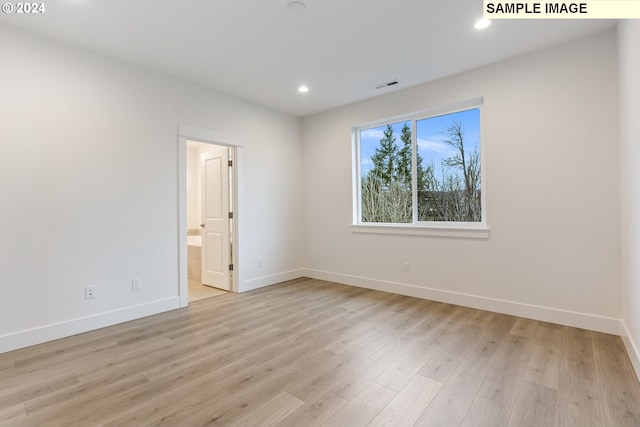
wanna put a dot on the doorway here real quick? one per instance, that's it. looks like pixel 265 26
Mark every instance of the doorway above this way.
pixel 209 215
pixel 208 189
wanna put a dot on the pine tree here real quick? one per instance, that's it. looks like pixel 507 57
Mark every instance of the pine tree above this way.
pixel 385 159
pixel 404 164
pixel 403 168
pixel 386 190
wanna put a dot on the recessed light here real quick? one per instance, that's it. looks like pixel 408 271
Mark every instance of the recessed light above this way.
pixel 482 23
pixel 296 6
pixel 303 89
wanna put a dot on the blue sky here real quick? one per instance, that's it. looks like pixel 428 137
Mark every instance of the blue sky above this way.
pixel 430 138
pixel 370 139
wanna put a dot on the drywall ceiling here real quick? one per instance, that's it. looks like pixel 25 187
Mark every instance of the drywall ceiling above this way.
pixel 261 51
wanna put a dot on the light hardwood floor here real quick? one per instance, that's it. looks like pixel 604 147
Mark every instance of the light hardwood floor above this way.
pixel 311 353
pixel 198 291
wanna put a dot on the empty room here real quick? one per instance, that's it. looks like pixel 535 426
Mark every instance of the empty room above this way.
pixel 318 213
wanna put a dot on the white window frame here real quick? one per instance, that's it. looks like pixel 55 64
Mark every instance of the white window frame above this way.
pixel 468 230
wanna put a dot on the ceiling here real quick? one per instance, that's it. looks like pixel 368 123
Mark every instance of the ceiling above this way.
pixel 261 51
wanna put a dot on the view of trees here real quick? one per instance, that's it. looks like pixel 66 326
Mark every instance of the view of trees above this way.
pixel 386 189
pixel 449 190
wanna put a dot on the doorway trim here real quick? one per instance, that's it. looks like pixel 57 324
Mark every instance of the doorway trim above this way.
pixel 208 136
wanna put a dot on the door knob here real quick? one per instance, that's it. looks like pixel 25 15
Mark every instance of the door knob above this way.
pixel 202 225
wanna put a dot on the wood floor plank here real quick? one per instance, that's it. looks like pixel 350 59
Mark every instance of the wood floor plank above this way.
pixel 407 406
pixel 620 408
pixel 271 413
pixel 306 319
pixel 23 392
pixel 306 388
pixel 578 403
pixel 447 359
pixel 503 381
pixel 619 392
pixel 412 306
pixel 346 340
pixel 484 412
pixel 370 344
pixel 448 408
pixel 314 365
pixel 171 408
pixel 612 363
pixel 200 363
pixel 401 372
pixel 315 412
pixel 75 394
pixel 186 382
pixel 310 353
pixel 535 405
pixel 360 411
pixel 18 421
pixel 357 379
pixel 525 328
pixel 81 410
pixel 12 414
pixel 577 354
pixel 133 359
pixel 493 336
pixel 544 363
pixel 482 319
pixel 470 374
pixel 42 360
pixel 249 399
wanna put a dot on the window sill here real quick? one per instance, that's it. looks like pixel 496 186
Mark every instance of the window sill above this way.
pixel 480 232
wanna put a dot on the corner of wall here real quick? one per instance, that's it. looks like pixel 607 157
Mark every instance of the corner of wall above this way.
pixel 632 349
pixel 629 91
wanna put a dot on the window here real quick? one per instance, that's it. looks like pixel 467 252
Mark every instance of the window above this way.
pixel 424 170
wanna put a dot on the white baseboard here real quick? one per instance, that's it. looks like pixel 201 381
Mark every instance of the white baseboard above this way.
pixel 261 282
pixel 632 349
pixel 68 328
pixel 609 325
pixel 546 314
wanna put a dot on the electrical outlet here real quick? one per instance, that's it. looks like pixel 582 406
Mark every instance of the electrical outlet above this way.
pixel 136 284
pixel 260 261
pixel 89 292
pixel 406 268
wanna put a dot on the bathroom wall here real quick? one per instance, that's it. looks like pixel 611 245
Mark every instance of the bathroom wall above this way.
pixel 193 189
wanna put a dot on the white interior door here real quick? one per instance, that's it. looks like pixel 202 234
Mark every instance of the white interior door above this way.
pixel 214 174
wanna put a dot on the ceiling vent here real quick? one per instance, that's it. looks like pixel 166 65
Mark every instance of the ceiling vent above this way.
pixel 387 84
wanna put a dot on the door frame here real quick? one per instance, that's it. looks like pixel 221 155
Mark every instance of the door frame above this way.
pixel 208 136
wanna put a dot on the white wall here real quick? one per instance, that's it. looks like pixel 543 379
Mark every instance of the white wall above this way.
pixel 551 149
pixel 193 189
pixel 628 48
pixel 84 202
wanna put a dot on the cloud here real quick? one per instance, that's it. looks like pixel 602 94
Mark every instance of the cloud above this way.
pixel 436 145
pixel 375 133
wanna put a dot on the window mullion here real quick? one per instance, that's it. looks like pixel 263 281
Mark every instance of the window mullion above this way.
pixel 414 171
